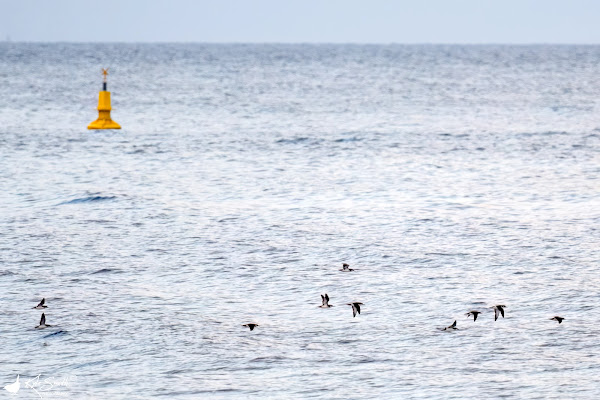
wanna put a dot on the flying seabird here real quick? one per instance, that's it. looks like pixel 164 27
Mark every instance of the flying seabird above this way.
pixel 559 319
pixel 355 308
pixel 346 268
pixel 251 326
pixel 42 324
pixel 325 300
pixel 13 387
pixel 474 314
pixel 451 327
pixel 498 310
pixel 41 305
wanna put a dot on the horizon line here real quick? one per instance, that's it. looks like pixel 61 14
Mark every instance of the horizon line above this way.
pixel 309 43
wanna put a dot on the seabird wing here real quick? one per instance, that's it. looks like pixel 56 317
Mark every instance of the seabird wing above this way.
pixel 322 300
pixel 475 316
pixel 357 307
pixel 327 297
pixel 353 310
pixel 495 313
pixel 502 311
pixel 43 319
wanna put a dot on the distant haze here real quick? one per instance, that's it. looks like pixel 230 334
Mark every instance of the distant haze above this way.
pixel 292 21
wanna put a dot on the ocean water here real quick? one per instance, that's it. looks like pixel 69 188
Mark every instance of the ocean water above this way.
pixel 451 178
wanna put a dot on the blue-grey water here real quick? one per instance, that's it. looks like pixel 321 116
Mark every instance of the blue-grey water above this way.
pixel 451 178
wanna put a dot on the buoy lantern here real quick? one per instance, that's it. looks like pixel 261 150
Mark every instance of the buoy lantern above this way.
pixel 104 121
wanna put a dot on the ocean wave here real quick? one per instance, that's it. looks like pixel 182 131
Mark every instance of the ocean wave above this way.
pixel 88 199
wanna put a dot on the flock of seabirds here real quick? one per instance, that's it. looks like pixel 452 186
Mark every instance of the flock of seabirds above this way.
pixel 498 310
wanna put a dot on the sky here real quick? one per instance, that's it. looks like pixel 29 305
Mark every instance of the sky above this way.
pixel 302 21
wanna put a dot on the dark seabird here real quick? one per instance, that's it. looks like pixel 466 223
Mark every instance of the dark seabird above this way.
pixel 474 314
pixel 498 310
pixel 42 324
pixel 325 300
pixel 41 305
pixel 559 319
pixel 346 268
pixel 451 327
pixel 355 308
pixel 251 326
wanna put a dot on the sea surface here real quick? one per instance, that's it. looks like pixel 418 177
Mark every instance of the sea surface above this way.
pixel 451 178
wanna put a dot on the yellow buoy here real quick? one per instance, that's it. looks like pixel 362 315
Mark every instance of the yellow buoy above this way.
pixel 104 121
